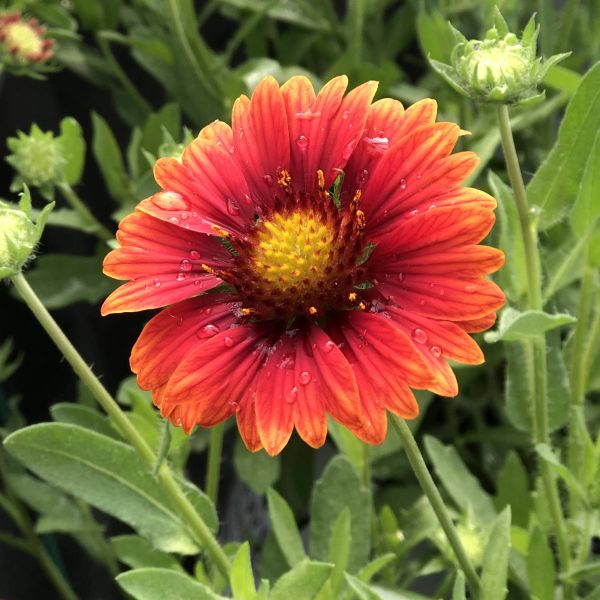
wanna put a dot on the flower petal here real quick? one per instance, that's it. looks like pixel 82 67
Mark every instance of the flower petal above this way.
pixel 385 363
pixel 176 332
pixel 478 325
pixel 260 138
pixel 246 422
pixel 213 380
pixel 205 189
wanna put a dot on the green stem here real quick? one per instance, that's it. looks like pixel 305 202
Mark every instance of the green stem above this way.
pixel 83 211
pixel 165 478
pixel 592 344
pixel 213 467
pixel 15 542
pixel 33 544
pixel 541 431
pixel 121 76
pixel 356 31
pixel 415 458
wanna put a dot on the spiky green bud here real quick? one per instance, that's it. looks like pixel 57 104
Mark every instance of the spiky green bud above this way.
pixel 501 68
pixel 19 234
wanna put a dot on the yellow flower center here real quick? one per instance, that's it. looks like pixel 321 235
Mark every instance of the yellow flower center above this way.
pixel 25 40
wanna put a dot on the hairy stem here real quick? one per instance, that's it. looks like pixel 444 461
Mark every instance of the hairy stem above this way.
pixel 415 458
pixel 198 527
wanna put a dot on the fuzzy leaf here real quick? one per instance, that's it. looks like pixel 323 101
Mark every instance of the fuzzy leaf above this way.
pixel 285 528
pixel 495 559
pixel 514 325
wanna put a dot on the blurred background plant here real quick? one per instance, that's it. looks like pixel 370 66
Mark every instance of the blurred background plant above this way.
pixel 103 88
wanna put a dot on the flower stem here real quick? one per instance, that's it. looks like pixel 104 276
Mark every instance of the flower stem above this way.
pixel 213 467
pixel 415 458
pixel 165 478
pixel 31 542
pixel 83 211
pixel 541 432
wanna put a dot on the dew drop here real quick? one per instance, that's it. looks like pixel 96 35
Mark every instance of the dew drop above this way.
pixel 348 150
pixel 247 200
pixel 401 276
pixel 181 276
pixel 196 282
pixel 305 378
pixel 156 282
pixel 292 395
pixel 470 288
pixel 345 114
pixel 178 421
pixel 363 176
pixel 377 145
pixel 419 175
pixel 170 201
pixel 436 351
pixel 174 220
pixel 328 347
pixel 302 142
pixel 228 342
pixel 235 406
pixel 308 115
pixel 233 208
pixel 267 179
pixel 185 265
pixel 403 184
pixel 207 331
pixel 411 213
pixel 419 335
pixel 240 133
pixel 184 215
pixel 231 149
pixel 194 254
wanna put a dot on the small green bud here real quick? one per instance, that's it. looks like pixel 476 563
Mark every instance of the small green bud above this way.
pixel 38 158
pixel 501 68
pixel 19 234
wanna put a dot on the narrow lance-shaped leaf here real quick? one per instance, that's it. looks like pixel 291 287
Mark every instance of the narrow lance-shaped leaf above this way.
pixel 285 528
pixel 586 209
pixel 540 566
pixel 495 559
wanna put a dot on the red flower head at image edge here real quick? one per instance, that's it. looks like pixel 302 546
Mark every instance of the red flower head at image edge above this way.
pixel 288 299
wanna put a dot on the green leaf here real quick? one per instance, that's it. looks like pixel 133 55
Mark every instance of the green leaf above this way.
pixel 84 416
pixel 361 590
pixel 562 79
pixel 512 489
pixel 540 566
pixel 340 486
pixel 137 552
pixel 110 476
pixel 495 559
pixel 458 589
pixel 242 579
pixel 555 185
pixel 462 486
pixel 435 36
pixel 62 279
pixel 547 454
pixel 339 548
pixel 285 528
pixel 303 581
pixel 513 276
pixel 158 584
pixel 586 209
pixel 371 569
pixel 110 160
pixel 514 325
pixel 73 150
pixel 257 470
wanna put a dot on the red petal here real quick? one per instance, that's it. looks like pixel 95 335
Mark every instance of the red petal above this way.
pixel 477 325
pixel 324 130
pixel 385 363
pixel 176 332
pixel 261 139
pixel 246 422
pixel 206 188
pixel 218 132
pixel 213 380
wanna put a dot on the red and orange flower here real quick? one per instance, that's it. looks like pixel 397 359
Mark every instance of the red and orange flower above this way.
pixel 317 257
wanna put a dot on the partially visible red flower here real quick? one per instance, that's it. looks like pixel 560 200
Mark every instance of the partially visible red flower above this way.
pixel 288 301
pixel 24 40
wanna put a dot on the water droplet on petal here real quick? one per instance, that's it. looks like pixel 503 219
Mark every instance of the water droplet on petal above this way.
pixel 181 276
pixel 403 184
pixel 363 176
pixel 231 149
pixel 436 351
pixel 348 150
pixel 235 406
pixel 247 200
pixel 401 276
pixel 345 114
pixel 240 133
pixel 194 254
pixel 377 145
pixel 228 342
pixel 268 179
pixel 170 201
pixel 302 142
pixel 196 282
pixel 207 331
pixel 470 289
pixel 292 395
pixel 185 265
pixel 174 220
pixel 304 378
pixel 328 347
pixel 156 282
pixel 419 335
pixel 233 208
pixel 411 213
pixel 308 115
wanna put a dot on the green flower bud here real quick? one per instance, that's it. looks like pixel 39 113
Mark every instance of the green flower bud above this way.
pixel 18 234
pixel 37 157
pixel 501 68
